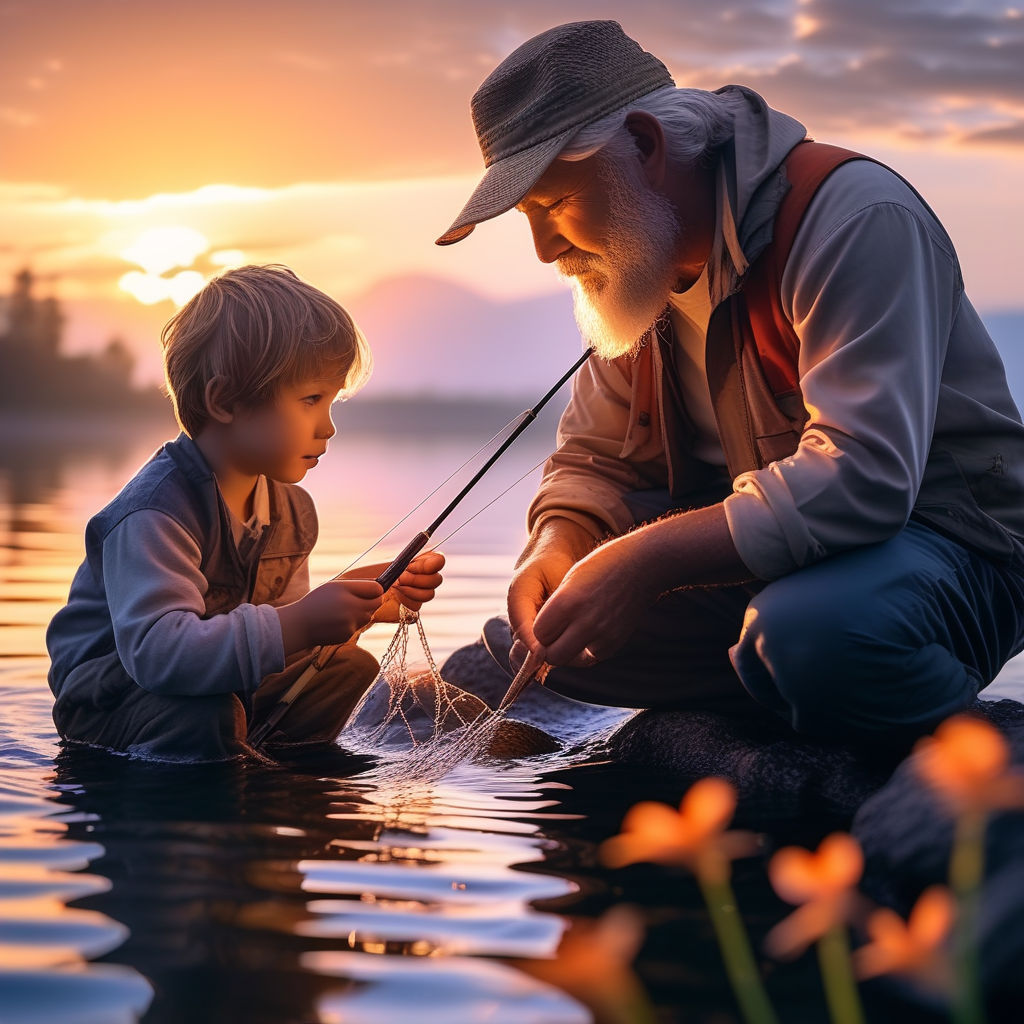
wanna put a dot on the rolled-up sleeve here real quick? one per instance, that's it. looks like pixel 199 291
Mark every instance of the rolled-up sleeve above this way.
pixel 872 295
pixel 155 592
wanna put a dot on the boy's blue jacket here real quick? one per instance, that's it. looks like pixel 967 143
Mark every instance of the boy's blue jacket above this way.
pixel 165 601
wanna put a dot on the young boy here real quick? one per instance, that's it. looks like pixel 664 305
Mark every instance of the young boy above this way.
pixel 192 613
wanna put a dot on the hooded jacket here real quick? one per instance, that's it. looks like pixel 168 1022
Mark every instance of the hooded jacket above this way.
pixel 903 407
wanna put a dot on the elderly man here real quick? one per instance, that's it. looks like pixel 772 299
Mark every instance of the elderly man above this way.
pixel 793 475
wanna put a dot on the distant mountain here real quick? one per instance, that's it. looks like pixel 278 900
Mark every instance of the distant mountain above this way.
pixel 432 337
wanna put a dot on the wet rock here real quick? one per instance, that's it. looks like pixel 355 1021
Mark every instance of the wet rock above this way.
pixel 785 774
pixel 421 710
pixel 424 710
pixel 519 739
pixel 473 669
pixel 907 836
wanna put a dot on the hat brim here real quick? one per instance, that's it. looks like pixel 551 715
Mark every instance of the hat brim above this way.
pixel 504 184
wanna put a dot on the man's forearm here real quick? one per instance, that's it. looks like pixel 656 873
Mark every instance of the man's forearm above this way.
pixel 557 535
pixel 691 549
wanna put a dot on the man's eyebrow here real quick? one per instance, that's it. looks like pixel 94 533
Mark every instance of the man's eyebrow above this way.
pixel 538 201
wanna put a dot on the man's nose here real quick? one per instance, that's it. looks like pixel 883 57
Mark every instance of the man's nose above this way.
pixel 547 240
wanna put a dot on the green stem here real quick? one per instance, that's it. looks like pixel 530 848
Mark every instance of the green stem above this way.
pixel 736 952
pixel 837 976
pixel 966 873
pixel 636 1007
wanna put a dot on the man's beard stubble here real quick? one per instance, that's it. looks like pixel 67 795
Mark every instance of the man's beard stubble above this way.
pixel 619 295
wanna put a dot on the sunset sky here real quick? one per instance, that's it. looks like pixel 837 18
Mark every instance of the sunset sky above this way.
pixel 143 144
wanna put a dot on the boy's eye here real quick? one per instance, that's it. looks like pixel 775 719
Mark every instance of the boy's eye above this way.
pixel 312 399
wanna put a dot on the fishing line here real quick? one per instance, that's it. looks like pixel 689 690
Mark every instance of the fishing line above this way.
pixel 512 423
pixel 494 500
pixel 391 574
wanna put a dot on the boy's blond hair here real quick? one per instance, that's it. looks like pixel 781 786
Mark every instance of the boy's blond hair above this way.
pixel 258 328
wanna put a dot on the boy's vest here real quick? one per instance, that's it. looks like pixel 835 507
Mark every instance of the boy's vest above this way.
pixel 178 482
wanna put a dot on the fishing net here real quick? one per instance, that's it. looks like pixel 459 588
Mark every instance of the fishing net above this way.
pixel 427 723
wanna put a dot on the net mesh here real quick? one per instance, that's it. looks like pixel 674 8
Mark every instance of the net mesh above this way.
pixel 419 719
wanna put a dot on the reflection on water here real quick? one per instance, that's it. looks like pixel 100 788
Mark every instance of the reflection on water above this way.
pixel 257 893
pixel 306 892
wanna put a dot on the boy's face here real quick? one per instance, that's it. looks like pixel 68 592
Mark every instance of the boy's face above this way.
pixel 285 438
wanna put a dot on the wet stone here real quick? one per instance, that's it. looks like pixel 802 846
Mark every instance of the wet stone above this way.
pixel 424 710
pixel 786 775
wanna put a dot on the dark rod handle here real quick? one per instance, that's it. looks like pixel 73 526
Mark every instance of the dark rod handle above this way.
pixel 387 578
pixel 263 730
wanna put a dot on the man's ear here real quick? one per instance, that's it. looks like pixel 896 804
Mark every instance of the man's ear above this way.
pixel 217 408
pixel 650 144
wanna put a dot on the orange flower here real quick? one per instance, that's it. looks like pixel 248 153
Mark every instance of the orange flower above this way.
pixel 594 966
pixel 967 763
pixel 694 836
pixel 824 882
pixel 913 948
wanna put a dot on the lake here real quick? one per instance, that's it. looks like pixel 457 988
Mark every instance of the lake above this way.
pixel 304 893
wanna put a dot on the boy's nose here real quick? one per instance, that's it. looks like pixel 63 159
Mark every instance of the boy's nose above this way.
pixel 327 428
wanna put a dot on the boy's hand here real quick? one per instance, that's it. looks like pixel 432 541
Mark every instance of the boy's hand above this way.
pixel 331 614
pixel 413 588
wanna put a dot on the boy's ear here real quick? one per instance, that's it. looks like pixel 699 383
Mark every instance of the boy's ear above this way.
pixel 216 407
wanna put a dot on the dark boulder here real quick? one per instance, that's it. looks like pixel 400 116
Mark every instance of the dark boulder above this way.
pixel 906 835
pixel 784 774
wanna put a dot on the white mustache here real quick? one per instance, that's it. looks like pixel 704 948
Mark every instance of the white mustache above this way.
pixel 575 265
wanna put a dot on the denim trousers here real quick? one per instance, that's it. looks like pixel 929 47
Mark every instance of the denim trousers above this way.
pixel 877 644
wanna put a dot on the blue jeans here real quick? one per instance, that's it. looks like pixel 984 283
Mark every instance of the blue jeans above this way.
pixel 882 641
pixel 878 644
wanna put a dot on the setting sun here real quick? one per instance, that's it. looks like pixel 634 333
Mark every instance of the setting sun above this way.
pixel 161 249
pixel 157 251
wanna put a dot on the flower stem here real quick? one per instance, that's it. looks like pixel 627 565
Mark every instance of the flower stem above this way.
pixel 966 871
pixel 736 952
pixel 837 976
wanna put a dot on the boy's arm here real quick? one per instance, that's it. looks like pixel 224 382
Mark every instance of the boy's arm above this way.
pixel 156 595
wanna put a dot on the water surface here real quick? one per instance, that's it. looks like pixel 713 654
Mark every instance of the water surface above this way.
pixel 307 892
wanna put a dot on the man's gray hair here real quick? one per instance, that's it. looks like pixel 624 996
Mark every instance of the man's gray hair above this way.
pixel 695 123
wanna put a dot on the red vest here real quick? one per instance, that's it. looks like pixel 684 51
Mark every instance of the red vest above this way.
pixel 752 349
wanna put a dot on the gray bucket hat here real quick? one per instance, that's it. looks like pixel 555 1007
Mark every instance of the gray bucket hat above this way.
pixel 538 97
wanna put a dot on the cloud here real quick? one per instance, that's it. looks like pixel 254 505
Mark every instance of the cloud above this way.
pixel 341 236
pixel 936 70
pixel 304 61
pixel 17 118
pixel 1011 134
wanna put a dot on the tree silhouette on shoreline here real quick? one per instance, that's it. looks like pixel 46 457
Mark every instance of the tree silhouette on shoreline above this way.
pixel 37 375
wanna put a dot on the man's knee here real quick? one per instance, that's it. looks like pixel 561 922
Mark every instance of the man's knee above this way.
pixel 832 669
pixel 785 654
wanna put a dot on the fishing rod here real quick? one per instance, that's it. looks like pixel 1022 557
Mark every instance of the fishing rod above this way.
pixel 390 575
pixel 387 578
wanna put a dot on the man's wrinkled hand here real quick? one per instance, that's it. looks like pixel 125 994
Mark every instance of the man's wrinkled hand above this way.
pixel 597 607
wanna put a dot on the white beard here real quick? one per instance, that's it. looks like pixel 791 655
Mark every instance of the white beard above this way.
pixel 618 296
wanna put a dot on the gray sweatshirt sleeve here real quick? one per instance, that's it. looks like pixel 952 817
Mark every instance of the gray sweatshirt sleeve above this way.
pixel 155 593
pixel 873 286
